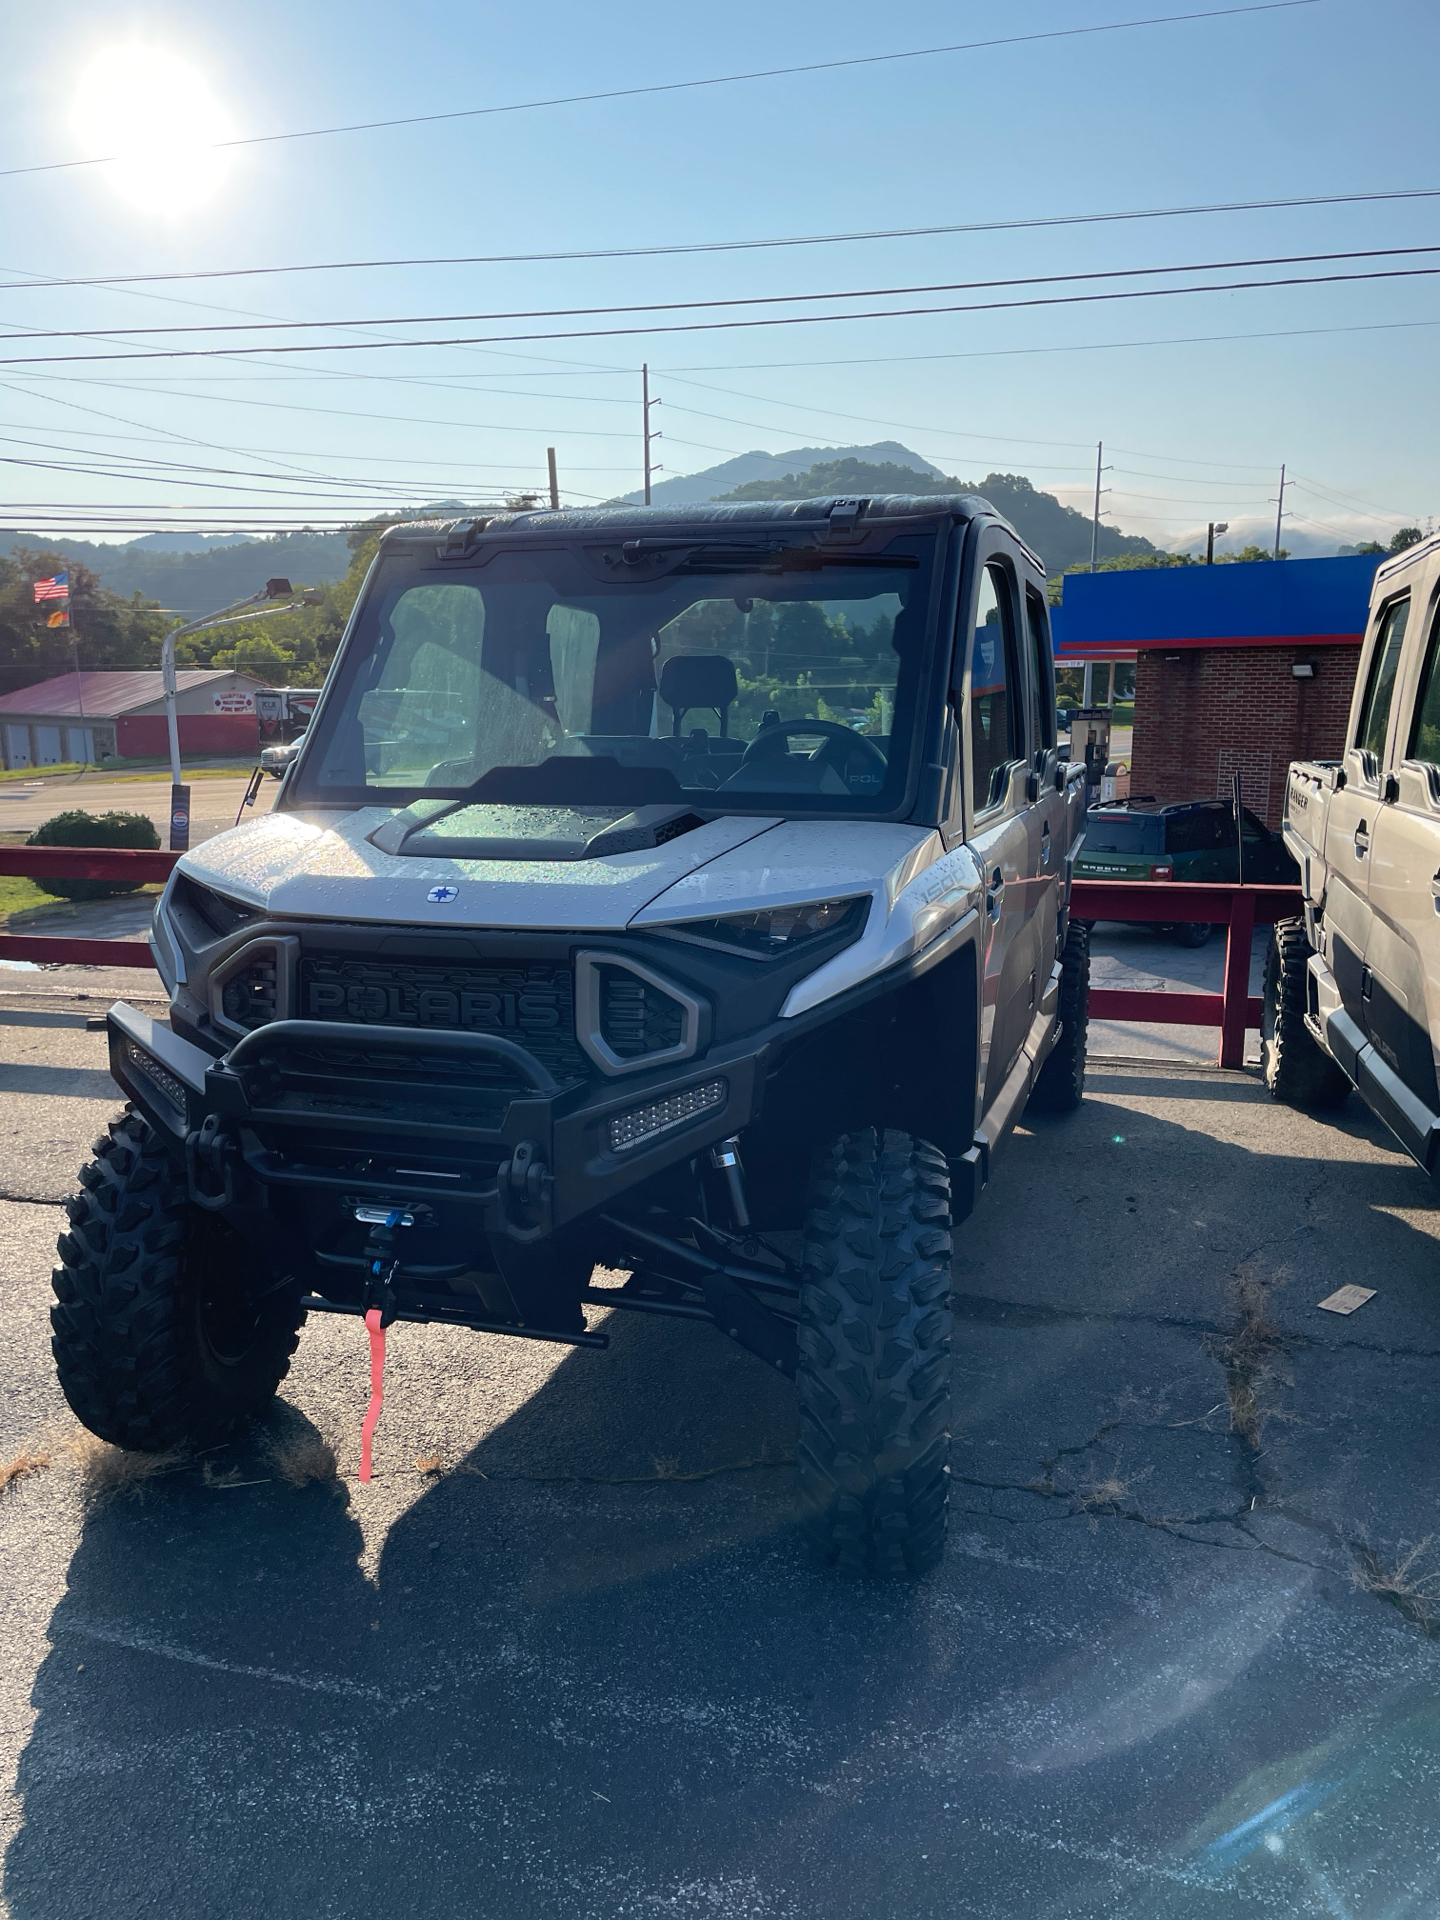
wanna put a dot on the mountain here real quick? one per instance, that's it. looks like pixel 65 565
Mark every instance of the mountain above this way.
pixel 691 489
pixel 192 582
pixel 184 542
pixel 1059 534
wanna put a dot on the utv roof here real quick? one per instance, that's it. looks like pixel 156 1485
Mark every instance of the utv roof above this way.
pixel 830 512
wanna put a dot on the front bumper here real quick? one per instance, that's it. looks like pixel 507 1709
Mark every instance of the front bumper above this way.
pixel 471 1123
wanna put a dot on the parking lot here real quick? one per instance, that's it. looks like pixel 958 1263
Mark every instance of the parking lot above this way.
pixel 565 1653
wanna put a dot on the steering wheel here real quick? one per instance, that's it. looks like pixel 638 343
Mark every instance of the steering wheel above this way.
pixel 761 747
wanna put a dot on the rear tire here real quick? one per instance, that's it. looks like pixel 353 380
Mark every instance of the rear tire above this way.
pixel 874 1355
pixel 1296 1067
pixel 1060 1086
pixel 1193 933
pixel 157 1340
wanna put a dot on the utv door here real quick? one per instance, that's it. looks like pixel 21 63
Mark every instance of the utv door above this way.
pixel 1355 808
pixel 994 732
pixel 1402 958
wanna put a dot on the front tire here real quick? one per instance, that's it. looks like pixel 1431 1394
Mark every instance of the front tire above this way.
pixel 1297 1069
pixel 874 1355
pixel 1060 1085
pixel 157 1340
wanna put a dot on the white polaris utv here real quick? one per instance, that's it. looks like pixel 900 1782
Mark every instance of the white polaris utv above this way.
pixel 681 891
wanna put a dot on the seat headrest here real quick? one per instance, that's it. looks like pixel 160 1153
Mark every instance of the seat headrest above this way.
pixel 698 680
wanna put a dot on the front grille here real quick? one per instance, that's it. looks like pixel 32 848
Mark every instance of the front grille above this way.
pixel 532 1003
pixel 637 1018
pixel 216 913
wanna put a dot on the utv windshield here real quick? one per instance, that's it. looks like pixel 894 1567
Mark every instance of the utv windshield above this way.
pixel 745 678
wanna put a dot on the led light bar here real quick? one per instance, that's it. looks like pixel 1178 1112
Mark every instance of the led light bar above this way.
pixel 170 1084
pixel 640 1124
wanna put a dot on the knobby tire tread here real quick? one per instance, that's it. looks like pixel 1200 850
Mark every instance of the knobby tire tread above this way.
pixel 875 1363
pixel 1060 1084
pixel 1297 1069
pixel 125 1324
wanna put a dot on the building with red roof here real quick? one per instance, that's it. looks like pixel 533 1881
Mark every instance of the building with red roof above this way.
pixel 89 717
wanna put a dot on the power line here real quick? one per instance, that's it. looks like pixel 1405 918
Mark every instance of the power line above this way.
pixel 687 86
pixel 725 326
pixel 920 359
pixel 730 246
pixel 31 334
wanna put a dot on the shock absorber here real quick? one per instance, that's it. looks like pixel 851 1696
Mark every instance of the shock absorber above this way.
pixel 725 1158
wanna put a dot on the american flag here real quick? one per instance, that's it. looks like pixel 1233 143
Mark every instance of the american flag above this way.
pixel 57 588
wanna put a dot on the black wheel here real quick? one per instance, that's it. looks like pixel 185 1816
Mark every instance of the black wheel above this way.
pixel 874 1370
pixel 1297 1069
pixel 157 1337
pixel 1061 1083
pixel 1193 933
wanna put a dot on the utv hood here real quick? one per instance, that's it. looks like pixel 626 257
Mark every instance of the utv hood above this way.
pixel 327 866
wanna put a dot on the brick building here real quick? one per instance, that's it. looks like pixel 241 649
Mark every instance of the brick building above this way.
pixel 1243 667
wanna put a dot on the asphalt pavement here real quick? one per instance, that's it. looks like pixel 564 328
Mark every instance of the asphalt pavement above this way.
pixel 214 800
pixel 565 1657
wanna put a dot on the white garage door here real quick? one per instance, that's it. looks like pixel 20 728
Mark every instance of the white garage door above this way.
pixel 47 746
pixel 17 746
pixel 79 745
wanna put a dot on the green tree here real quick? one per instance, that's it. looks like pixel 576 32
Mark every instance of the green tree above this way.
pixel 1059 533
pixel 1405 537
pixel 260 655
pixel 110 633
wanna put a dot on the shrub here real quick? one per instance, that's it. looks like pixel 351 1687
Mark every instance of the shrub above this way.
pixel 81 829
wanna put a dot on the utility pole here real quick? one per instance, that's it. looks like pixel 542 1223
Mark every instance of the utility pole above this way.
pixel 79 687
pixel 1279 510
pixel 554 479
pixel 1095 522
pixel 1216 526
pixel 646 404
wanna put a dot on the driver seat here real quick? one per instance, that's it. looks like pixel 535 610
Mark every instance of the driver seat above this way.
pixel 699 680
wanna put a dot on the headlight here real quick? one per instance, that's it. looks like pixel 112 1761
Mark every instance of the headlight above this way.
pixel 769 933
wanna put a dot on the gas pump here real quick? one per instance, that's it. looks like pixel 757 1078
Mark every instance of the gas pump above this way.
pixel 1090 742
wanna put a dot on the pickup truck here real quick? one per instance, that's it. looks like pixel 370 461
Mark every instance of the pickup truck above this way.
pixel 1352 990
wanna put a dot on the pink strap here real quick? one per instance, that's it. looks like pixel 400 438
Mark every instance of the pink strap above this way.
pixel 377 1390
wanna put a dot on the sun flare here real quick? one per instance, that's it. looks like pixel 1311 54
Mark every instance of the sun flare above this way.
pixel 157 114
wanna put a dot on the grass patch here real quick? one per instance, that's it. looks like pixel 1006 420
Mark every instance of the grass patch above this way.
pixel 1404 1585
pixel 21 898
pixel 127 770
pixel 21 1465
pixel 18 895
pixel 301 1459
pixel 1248 1355
pixel 71 767
pixel 106 1470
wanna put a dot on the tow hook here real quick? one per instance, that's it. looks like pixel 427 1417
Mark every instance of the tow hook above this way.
pixel 210 1153
pixel 525 1182
pixel 382 1258
pixel 381 1265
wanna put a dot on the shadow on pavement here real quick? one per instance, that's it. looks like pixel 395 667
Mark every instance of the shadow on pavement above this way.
pixel 583 1684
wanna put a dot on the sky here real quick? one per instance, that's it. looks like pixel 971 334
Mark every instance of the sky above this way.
pixel 1197 397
